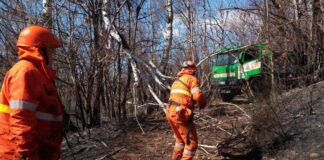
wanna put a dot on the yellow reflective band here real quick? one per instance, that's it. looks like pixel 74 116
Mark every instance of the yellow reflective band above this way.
pixel 4 108
pixel 181 91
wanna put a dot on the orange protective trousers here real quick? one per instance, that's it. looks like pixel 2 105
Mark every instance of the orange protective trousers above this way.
pixel 179 124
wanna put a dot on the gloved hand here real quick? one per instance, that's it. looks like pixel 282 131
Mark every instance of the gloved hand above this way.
pixel 180 109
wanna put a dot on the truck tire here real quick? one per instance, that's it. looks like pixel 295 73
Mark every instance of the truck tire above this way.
pixel 227 97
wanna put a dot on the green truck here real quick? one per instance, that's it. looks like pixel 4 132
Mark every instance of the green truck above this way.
pixel 240 67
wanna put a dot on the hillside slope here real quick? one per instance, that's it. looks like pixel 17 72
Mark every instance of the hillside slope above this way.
pixel 304 123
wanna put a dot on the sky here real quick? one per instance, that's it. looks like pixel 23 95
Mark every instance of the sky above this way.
pixel 233 16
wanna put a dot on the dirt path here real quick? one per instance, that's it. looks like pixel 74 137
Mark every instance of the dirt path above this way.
pixel 215 124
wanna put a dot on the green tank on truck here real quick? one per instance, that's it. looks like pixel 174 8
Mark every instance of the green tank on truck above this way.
pixel 236 66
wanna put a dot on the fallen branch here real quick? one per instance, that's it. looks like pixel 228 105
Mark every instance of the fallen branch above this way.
pixel 154 127
pixel 152 104
pixel 202 148
pixel 117 35
pixel 207 146
pixel 104 144
pixel 100 141
pixel 231 104
pixel 110 154
pixel 222 129
pixel 159 73
pixel 213 125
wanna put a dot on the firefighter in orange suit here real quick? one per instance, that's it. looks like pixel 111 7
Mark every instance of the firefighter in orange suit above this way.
pixel 31 113
pixel 185 95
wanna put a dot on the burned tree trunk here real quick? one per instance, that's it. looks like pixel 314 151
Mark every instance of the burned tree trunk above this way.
pixel 317 36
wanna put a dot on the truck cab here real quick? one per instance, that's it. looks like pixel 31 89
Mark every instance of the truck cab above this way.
pixel 235 66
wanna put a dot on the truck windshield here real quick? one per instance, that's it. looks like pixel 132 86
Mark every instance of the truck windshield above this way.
pixel 227 58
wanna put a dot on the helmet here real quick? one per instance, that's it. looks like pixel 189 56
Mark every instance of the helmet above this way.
pixel 37 36
pixel 189 63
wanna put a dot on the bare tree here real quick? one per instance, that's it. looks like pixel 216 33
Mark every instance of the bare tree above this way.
pixel 169 32
pixel 47 13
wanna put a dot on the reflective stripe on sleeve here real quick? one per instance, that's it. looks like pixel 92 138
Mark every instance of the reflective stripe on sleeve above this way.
pixel 181 91
pixel 194 90
pixel 178 145
pixel 49 117
pixel 19 104
pixel 4 108
pixel 189 152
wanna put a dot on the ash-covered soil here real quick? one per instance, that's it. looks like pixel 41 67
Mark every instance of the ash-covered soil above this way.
pixel 303 122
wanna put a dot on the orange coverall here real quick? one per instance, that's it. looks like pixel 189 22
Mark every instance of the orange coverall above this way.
pixel 31 114
pixel 185 93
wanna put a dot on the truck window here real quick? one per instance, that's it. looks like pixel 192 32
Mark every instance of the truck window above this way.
pixel 250 55
pixel 221 59
pixel 227 58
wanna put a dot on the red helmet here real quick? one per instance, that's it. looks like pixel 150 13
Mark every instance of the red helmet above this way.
pixel 189 63
pixel 37 36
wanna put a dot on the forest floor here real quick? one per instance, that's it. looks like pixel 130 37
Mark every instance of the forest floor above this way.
pixel 216 125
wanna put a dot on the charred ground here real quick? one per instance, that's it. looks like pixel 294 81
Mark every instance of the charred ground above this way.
pixel 291 128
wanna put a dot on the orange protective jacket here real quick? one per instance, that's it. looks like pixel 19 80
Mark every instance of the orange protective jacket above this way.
pixel 185 90
pixel 31 113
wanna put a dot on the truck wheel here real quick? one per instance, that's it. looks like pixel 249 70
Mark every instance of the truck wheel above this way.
pixel 227 97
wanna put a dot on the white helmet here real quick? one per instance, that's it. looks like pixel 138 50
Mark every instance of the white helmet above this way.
pixel 188 63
